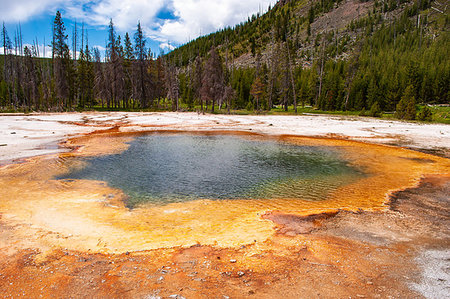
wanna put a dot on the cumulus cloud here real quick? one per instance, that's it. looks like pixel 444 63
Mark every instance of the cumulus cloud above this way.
pixel 100 48
pixel 40 50
pixel 125 13
pixel 175 21
pixel 199 17
pixel 164 46
pixel 22 10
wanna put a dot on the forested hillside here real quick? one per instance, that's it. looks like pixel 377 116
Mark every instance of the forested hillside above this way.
pixel 368 56
pixel 334 55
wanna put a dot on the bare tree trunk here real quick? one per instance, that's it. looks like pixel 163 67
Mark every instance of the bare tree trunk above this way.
pixel 292 77
pixel 74 41
pixel 321 72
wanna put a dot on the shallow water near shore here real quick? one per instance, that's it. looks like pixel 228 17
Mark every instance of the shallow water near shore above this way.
pixel 162 169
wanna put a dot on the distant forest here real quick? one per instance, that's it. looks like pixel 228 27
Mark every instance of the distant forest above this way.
pixel 389 59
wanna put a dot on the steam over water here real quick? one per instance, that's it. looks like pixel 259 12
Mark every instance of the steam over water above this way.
pixel 161 169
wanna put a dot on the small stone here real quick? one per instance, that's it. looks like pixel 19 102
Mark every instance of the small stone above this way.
pixel 233 261
pixel 240 273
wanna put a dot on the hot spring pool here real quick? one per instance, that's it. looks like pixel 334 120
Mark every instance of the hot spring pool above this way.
pixel 117 192
pixel 167 168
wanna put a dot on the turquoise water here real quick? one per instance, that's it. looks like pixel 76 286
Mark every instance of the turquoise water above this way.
pixel 160 169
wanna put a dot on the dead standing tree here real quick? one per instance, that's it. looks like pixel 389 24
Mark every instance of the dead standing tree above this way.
pixel 115 69
pixel 172 85
pixel 212 79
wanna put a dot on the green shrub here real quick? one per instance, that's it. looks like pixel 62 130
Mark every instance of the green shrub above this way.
pixel 425 114
pixel 249 106
pixel 406 108
pixel 375 110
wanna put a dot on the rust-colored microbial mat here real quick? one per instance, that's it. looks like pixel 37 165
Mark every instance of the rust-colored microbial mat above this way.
pixel 90 216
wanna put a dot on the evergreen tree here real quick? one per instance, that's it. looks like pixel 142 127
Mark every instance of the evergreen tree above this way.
pixel 128 50
pixel 62 63
pixel 86 78
pixel 257 91
pixel 406 108
pixel 115 72
pixel 142 78
pixel 425 114
pixel 128 63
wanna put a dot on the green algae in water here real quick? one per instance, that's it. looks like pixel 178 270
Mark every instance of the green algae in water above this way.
pixel 161 169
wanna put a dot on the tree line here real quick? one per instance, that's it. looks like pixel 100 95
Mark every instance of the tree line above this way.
pixel 130 76
pixel 370 67
pixel 375 65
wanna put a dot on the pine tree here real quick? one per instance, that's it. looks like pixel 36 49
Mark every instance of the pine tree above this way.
pixel 62 68
pixel 115 68
pixel 128 50
pixel 425 114
pixel 406 108
pixel 99 75
pixel 86 78
pixel 257 91
pixel 7 67
pixel 142 78
pixel 128 63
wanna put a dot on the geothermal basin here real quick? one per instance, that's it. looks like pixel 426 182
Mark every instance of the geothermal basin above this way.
pixel 248 204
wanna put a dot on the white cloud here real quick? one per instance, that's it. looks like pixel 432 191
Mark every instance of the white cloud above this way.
pixel 22 10
pixel 47 50
pixel 124 13
pixel 164 46
pixel 100 48
pixel 199 17
pixel 192 17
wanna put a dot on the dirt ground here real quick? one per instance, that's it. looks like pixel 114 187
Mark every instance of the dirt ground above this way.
pixel 343 255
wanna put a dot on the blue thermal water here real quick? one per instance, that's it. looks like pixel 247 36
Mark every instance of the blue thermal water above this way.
pixel 160 169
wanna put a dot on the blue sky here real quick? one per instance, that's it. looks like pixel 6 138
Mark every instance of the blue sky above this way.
pixel 166 23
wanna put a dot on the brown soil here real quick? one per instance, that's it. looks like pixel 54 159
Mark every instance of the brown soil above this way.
pixel 340 255
pixel 340 17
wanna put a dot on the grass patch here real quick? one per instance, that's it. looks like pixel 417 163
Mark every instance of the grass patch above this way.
pixel 441 114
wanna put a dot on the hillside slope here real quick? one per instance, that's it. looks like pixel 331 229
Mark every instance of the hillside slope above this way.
pixel 336 55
